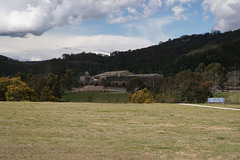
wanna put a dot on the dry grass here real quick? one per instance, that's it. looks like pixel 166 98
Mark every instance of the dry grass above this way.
pixel 117 131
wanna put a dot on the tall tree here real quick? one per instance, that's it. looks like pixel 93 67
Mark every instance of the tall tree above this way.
pixel 216 73
pixel 135 84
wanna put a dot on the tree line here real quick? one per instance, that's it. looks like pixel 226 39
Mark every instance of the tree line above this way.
pixel 25 87
pixel 186 86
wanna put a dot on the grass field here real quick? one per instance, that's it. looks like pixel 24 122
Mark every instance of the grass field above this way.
pixel 97 97
pixel 107 131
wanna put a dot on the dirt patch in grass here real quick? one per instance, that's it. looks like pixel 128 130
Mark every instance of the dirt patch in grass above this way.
pixel 167 125
pixel 216 128
pixel 161 132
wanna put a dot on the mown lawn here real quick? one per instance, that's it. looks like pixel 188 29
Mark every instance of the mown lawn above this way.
pixel 100 131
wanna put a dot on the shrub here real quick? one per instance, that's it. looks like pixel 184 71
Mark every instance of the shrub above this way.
pixel 142 96
pixel 19 91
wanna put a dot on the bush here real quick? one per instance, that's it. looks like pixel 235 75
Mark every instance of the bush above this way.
pixel 142 96
pixel 19 91
pixel 47 96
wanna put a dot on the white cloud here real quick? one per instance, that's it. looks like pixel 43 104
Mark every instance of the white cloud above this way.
pixel 177 7
pixel 146 9
pixel 186 1
pixel 226 13
pixel 178 10
pixel 52 46
pixel 169 2
pixel 173 2
pixel 18 18
pixel 36 59
pixel 151 28
pixel 151 7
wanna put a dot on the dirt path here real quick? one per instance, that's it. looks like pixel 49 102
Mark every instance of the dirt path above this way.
pixel 233 109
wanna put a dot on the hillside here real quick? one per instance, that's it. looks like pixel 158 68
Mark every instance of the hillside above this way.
pixel 185 52
pixel 172 56
pixel 9 66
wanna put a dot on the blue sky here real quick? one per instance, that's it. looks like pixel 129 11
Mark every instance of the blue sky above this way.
pixel 44 29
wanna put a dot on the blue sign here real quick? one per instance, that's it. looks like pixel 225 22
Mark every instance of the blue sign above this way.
pixel 216 100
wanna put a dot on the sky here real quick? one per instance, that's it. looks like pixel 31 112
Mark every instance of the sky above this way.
pixel 33 30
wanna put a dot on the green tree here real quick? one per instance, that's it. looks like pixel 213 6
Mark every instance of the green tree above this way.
pixel 21 75
pixel 37 84
pixel 135 84
pixel 183 78
pixel 47 96
pixel 190 92
pixel 200 69
pixel 165 86
pixel 216 73
pixel 53 83
pixel 67 81
pixel 205 89
pixel 191 88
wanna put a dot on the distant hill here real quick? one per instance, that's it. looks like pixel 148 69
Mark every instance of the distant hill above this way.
pixel 172 56
pixel 9 66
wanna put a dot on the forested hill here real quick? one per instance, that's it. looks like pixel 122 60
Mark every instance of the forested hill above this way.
pixel 172 56
pixel 9 66
pixel 185 52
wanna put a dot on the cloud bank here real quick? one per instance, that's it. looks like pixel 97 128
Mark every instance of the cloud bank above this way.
pixel 18 18
pixel 31 48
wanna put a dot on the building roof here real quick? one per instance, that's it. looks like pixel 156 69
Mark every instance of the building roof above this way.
pixel 148 75
pixel 115 73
